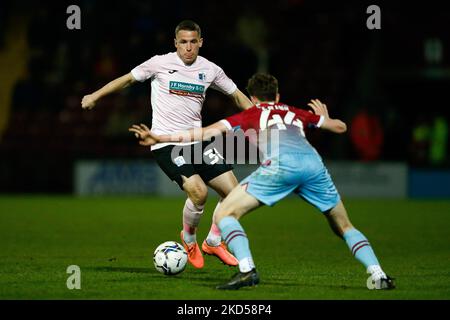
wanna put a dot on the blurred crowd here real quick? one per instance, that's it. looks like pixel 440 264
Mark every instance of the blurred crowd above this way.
pixel 372 79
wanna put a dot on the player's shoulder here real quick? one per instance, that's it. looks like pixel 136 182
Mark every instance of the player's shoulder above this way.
pixel 284 106
pixel 291 107
pixel 254 109
pixel 159 59
pixel 274 106
pixel 164 57
pixel 208 63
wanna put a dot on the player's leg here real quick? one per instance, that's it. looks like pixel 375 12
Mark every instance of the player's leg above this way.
pixel 177 165
pixel 358 245
pixel 222 184
pixel 197 193
pixel 320 191
pixel 219 176
pixel 213 244
pixel 267 185
pixel 232 208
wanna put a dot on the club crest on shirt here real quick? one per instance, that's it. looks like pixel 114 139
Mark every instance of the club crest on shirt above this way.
pixel 202 76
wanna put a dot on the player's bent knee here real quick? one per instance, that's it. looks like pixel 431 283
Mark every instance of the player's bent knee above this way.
pixel 219 215
pixel 225 212
pixel 224 183
pixel 198 193
pixel 198 197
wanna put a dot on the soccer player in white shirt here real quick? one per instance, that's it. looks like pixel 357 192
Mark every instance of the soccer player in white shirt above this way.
pixel 179 81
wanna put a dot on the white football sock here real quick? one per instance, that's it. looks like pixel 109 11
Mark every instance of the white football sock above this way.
pixel 189 238
pixel 191 218
pixel 246 265
pixel 376 272
pixel 214 237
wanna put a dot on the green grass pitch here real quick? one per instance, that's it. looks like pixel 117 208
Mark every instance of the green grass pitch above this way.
pixel 112 240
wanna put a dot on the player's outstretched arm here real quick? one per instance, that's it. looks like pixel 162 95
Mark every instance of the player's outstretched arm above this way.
pixel 89 101
pixel 334 125
pixel 147 138
pixel 241 100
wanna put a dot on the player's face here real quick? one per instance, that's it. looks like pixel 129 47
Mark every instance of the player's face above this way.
pixel 188 43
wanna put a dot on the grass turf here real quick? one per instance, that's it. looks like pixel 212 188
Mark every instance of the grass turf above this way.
pixel 298 257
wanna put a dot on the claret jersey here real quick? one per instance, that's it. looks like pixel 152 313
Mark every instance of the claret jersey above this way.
pixel 289 121
pixel 178 91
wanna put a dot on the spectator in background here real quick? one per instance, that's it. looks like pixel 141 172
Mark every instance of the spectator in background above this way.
pixel 120 117
pixel 420 142
pixel 27 94
pixel 252 32
pixel 438 141
pixel 367 135
pixel 106 65
pixel 3 22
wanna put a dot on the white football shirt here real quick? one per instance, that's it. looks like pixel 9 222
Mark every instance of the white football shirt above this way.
pixel 178 91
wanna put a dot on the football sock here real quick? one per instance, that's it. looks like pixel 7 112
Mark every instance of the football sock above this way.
pixel 360 247
pixel 236 240
pixel 214 237
pixel 376 272
pixel 246 265
pixel 191 218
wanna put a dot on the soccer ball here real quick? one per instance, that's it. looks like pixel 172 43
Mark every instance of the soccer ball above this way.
pixel 170 258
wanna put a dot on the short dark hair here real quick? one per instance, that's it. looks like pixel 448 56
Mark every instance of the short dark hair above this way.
pixel 263 86
pixel 188 25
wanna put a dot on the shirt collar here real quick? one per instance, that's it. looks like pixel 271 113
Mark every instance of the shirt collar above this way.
pixel 182 63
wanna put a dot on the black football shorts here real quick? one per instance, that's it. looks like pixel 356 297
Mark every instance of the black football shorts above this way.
pixel 199 158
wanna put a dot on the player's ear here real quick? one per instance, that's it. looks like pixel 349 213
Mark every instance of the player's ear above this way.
pixel 175 42
pixel 254 99
pixel 200 42
pixel 277 99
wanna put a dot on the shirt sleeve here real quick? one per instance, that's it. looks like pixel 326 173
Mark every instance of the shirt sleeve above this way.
pixel 222 83
pixel 312 120
pixel 145 70
pixel 246 119
pixel 234 122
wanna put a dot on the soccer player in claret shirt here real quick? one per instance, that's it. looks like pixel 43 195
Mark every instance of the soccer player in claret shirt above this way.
pixel 179 81
pixel 290 164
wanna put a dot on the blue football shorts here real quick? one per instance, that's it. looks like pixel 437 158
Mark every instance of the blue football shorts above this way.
pixel 301 173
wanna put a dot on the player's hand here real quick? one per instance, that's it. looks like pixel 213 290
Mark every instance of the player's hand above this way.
pixel 145 136
pixel 319 107
pixel 88 102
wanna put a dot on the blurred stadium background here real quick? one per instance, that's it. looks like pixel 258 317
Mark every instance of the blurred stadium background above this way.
pixel 390 86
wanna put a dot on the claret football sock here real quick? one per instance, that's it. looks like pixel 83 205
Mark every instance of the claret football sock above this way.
pixel 360 247
pixel 191 218
pixel 236 240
